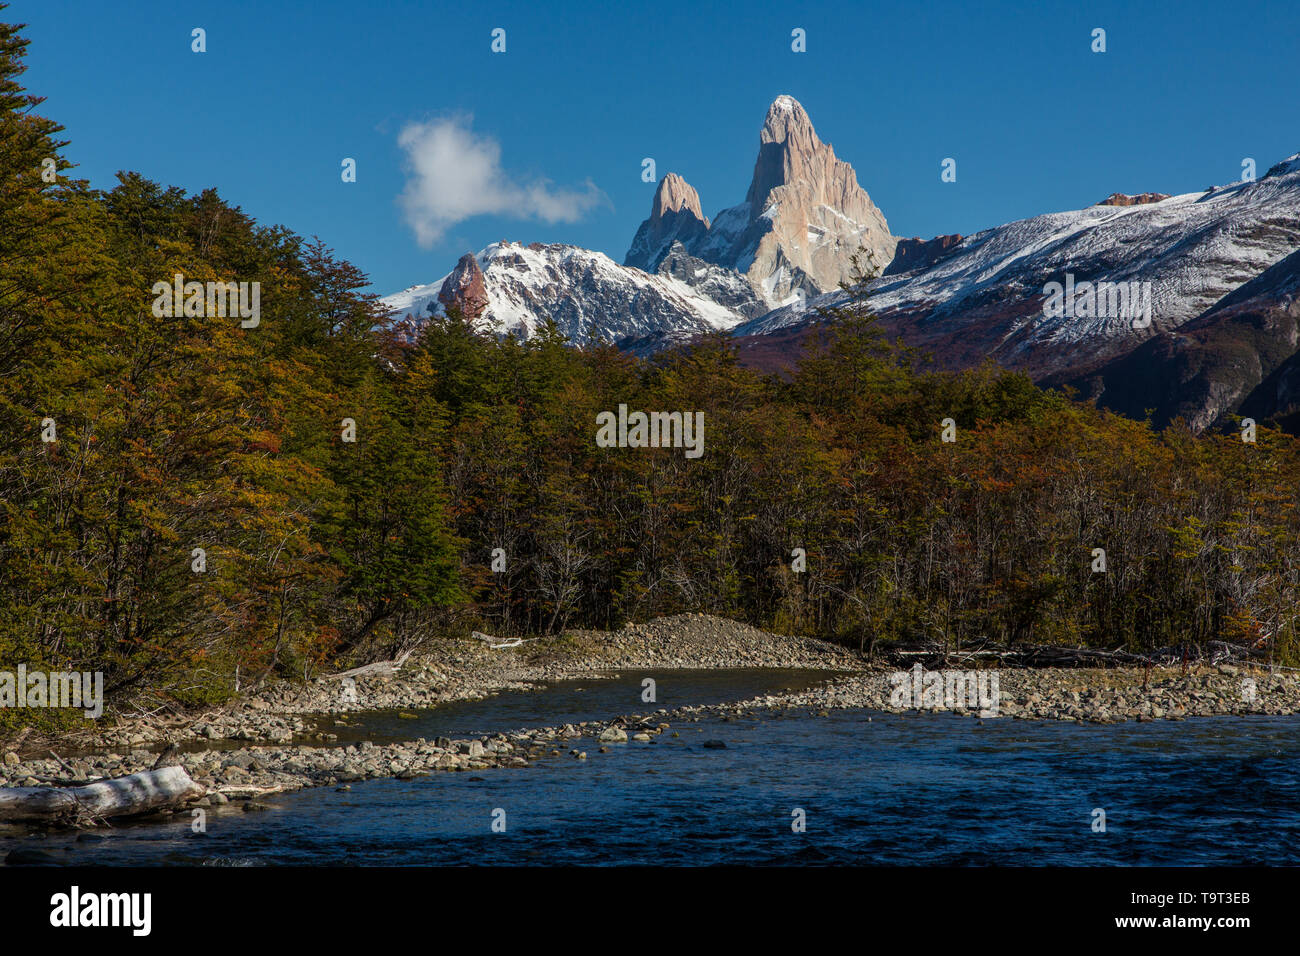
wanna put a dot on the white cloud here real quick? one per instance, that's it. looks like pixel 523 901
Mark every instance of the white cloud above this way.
pixel 453 174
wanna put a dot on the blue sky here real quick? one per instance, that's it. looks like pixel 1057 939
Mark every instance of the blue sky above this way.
pixel 1036 121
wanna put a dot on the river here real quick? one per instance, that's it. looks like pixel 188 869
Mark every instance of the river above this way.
pixel 870 788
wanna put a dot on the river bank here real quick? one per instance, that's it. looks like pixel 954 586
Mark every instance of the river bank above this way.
pixel 283 739
pixel 470 669
pixel 908 790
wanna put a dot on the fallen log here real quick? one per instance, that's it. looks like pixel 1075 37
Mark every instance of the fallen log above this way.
pixel 119 797
pixel 497 643
pixel 378 669
pixel 1047 655
pixel 237 792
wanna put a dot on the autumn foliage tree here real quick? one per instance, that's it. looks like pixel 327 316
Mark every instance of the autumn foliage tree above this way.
pixel 192 505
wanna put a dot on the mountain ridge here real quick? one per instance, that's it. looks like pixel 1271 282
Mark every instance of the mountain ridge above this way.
pixel 763 267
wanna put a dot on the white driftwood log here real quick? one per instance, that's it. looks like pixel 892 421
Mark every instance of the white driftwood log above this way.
pixel 496 643
pixel 121 796
pixel 378 669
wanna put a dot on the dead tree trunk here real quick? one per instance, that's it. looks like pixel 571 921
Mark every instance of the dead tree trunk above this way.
pixel 378 669
pixel 119 797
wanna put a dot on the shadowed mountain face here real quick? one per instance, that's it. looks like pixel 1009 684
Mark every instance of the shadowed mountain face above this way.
pixel 914 255
pixel 1238 358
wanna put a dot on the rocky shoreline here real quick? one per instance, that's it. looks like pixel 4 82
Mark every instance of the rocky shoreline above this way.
pixel 271 744
pixel 468 669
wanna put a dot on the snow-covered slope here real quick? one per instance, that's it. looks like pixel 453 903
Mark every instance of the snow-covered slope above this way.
pixel 986 297
pixel 1238 358
pixel 510 288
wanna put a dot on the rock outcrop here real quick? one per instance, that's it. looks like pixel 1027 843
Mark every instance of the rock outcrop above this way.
pixel 675 216
pixel 915 254
pixel 465 288
pixel 1142 199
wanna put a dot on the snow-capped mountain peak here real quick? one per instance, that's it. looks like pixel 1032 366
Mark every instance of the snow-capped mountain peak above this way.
pixel 803 216
pixel 512 288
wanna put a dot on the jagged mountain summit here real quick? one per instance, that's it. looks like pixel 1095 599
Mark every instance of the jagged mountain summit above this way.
pixel 803 217
pixel 511 289
pixel 675 216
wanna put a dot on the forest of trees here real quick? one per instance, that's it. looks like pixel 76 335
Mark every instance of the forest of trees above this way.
pixel 177 434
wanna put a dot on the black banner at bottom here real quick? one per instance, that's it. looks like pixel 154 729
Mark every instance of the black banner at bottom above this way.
pixel 358 905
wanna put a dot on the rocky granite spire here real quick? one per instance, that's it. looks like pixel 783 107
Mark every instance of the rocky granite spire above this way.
pixel 806 210
pixel 675 216
pixel 803 217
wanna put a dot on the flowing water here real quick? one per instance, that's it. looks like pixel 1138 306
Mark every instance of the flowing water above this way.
pixel 873 788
